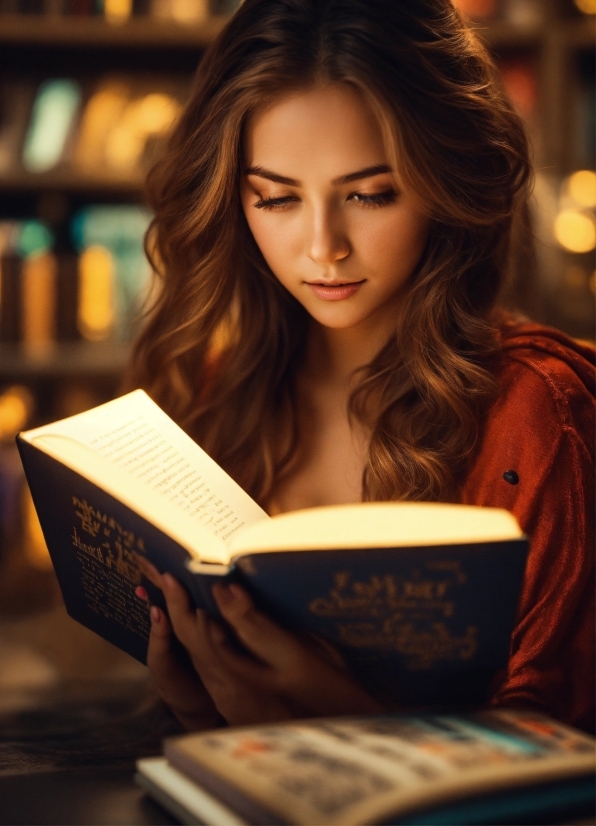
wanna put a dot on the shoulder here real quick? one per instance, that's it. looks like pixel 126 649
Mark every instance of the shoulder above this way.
pixel 543 370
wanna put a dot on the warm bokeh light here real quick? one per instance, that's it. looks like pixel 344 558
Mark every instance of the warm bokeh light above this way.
pixel 96 311
pixel 575 231
pixel 117 11
pixel 587 6
pixel 581 186
pixel 16 406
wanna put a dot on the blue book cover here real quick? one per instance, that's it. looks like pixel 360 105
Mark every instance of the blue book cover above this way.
pixel 433 618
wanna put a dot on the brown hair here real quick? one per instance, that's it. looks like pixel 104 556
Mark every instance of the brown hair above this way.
pixel 458 146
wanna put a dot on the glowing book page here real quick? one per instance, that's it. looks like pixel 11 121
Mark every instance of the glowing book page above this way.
pixel 158 465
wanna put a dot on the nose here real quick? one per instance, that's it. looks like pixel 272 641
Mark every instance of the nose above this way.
pixel 328 239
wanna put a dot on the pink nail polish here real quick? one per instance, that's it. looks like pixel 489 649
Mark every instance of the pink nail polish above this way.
pixel 141 592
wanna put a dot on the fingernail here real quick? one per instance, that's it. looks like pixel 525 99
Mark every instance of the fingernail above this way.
pixel 236 590
pixel 155 614
pixel 141 592
pixel 169 581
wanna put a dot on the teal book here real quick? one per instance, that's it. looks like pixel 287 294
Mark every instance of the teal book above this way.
pixel 492 767
pixel 421 596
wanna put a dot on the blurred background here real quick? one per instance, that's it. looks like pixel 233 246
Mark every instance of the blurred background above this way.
pixel 88 89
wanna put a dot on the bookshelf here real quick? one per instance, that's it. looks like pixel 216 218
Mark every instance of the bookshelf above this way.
pixel 95 32
pixel 557 45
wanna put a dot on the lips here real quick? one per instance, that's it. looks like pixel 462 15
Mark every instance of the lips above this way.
pixel 334 290
pixel 333 283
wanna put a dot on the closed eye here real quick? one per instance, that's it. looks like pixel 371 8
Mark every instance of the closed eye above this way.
pixel 377 200
pixel 270 204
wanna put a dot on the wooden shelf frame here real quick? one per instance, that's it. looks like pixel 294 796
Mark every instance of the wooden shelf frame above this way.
pixel 152 33
pixel 77 359
pixel 73 182
pixel 138 32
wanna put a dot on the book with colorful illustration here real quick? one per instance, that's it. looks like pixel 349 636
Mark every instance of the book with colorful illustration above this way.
pixel 491 767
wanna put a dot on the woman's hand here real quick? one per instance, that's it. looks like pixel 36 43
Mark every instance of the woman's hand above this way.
pixel 276 677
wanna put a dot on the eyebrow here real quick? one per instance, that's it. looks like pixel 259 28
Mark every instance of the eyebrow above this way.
pixel 368 172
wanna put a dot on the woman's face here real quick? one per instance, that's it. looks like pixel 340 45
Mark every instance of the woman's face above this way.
pixel 326 209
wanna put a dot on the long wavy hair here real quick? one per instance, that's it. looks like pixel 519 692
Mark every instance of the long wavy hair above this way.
pixel 221 347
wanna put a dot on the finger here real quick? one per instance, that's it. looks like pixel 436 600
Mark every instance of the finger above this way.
pixel 310 680
pixel 150 572
pixel 261 636
pixel 177 687
pixel 206 652
pixel 242 667
pixel 181 611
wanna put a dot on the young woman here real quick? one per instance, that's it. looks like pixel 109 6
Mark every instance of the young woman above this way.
pixel 333 229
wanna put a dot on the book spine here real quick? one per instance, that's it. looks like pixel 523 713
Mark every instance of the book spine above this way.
pixel 10 298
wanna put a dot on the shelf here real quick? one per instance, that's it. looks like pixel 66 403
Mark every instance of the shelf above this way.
pixel 72 181
pixel 148 32
pixel 65 360
pixel 140 32
pixel 500 33
pixel 578 33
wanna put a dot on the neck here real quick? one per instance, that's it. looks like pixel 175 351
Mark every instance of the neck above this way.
pixel 333 355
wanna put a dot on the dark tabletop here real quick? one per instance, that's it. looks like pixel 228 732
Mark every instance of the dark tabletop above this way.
pixel 70 757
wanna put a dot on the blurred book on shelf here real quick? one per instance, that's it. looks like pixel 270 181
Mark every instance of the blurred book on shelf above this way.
pixel 519 76
pixel 114 274
pixel 51 124
pixel 16 102
pixel 94 292
pixel 107 129
pixel 520 13
pixel 121 122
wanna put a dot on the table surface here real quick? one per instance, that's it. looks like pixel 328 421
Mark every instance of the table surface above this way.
pixel 69 756
pixel 98 796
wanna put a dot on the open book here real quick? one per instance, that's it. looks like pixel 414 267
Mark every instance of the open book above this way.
pixel 416 586
pixel 501 766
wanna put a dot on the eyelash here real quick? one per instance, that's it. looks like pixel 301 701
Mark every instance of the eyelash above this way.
pixel 378 200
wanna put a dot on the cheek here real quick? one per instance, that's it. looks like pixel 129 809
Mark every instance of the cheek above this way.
pixel 277 240
pixel 396 240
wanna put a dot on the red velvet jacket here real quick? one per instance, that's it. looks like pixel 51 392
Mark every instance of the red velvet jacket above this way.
pixel 542 427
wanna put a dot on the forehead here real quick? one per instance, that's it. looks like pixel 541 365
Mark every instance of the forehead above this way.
pixel 328 127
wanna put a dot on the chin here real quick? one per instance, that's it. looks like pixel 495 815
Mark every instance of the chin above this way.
pixel 338 323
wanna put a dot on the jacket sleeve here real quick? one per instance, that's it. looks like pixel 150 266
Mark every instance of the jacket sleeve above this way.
pixel 542 427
